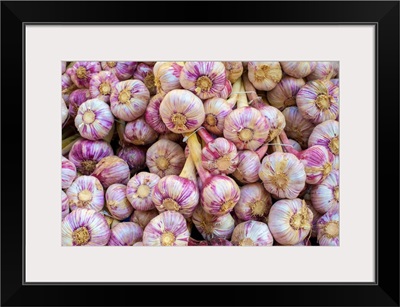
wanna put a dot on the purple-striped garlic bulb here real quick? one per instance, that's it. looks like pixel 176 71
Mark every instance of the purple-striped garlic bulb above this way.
pixel 117 203
pixel 226 92
pixel 324 70
pixel 68 172
pixel 67 87
pixel 64 205
pixel 102 84
pixel 252 233
pixel 166 76
pixel 284 94
pixel 290 221
pixel 122 70
pixel 325 196
pixel 135 156
pixel 94 119
pixel 276 120
pixel 152 114
pixel 317 162
pixel 254 203
pixel 219 242
pixel 216 110
pixel 86 192
pixel 84 227
pixel 264 75
pixel 164 158
pixel 142 218
pixel 298 69
pixel 129 99
pixel 296 146
pixel 139 189
pixel 82 72
pixel 205 79
pixel 182 111
pixel 167 229
pixel 125 234
pixel 318 101
pixel 85 154
pixel 64 111
pixel 328 228
pixel 145 74
pixel 283 175
pixel 110 170
pixel 233 70
pixel 211 226
pixel 297 128
pixel 76 98
pixel 139 132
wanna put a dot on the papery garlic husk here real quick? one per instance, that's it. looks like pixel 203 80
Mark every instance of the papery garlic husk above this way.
pixel 84 227
pixel 317 162
pixel 325 195
pixel 205 79
pixel 101 85
pixel 328 228
pixel 226 92
pixel 135 156
pixel 76 98
pixel 82 72
pixel 297 128
pixel 316 217
pixel 125 234
pixel 164 158
pixel 139 189
pixel 68 173
pixel 122 70
pixel 145 74
pixel 167 229
pixel 219 242
pixel 129 99
pixel 290 221
pixel 110 170
pixel 64 205
pixel 211 226
pixel 335 82
pixel 254 203
pixel 318 101
pixel 142 218
pixel 138 132
pixel 94 119
pixel 248 167
pixel 182 111
pixel 166 76
pixel 216 110
pixel 298 69
pixel 152 114
pixel 283 175
pixel 284 94
pixel 295 145
pixel 117 203
pixel 264 75
pixel 64 111
pixel 86 192
pixel 220 157
pixel 324 70
pixel 85 154
pixel 276 121
pixel 252 233
pixel 233 70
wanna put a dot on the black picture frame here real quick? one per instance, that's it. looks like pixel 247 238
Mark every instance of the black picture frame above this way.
pixel 384 15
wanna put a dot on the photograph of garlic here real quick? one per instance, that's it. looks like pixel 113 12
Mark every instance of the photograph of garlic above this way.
pixel 200 153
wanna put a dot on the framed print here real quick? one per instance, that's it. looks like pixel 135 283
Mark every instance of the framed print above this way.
pixel 200 153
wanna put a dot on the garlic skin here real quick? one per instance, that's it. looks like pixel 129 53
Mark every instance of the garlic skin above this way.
pixel 317 162
pixel 145 74
pixel 323 70
pixel 248 167
pixel 318 101
pixel 166 76
pixel 112 222
pixel 276 121
pixel 298 69
pixel 254 203
pixel 226 92
pixel 67 86
pixel 64 111
pixel 152 114
pixel 316 217
pixel 167 229
pixel 85 154
pixel 94 119
pixel 264 75
pixel 76 98
pixel 219 242
pixel 142 218
pixel 297 128
pixel 101 85
pixel 220 157
pixel 135 156
pixel 110 170
pixel 64 205
pixel 325 195
pixel 138 132
pixel 84 227
pixel 252 233
pixel 295 145
pixel 139 189
pixel 216 110
pixel 122 70
pixel 233 70
pixel 284 94
pixel 211 226
pixel 86 192
pixel 290 221
pixel 335 82
pixel 205 79
pixel 117 203
pixel 182 111
pixel 165 158
pixel 283 175
pixel 328 228
pixel 82 72
pixel 129 99
pixel 68 173
pixel 125 234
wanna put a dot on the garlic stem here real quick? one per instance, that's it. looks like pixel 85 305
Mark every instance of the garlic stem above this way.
pixel 277 145
pixel 206 137
pixel 242 98
pixel 251 92
pixel 289 148
pixel 68 143
pixel 235 93
pixel 262 151
pixel 189 170
pixel 195 153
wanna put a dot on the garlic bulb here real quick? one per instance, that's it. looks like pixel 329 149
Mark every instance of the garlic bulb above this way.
pixel 138 132
pixel 67 87
pixel 252 233
pixel 110 170
pixel 233 70
pixel 76 98
pixel 297 128
pixel 82 72
pixel 86 192
pixel 167 229
pixel 296 146
pixel 264 75
pixel 276 120
pixel 284 94
pixel 94 119
pixel 166 76
pixel 317 162
pixel 122 70
pixel 152 114
pixel 249 165
pixel 139 189
pixel 290 221
pixel 328 228
pixel 211 226
pixel 64 111
pixel 226 92
pixel 64 205
pixel 182 111
pixel 325 195
pixel 101 85
pixel 298 69
pixel 145 74
pixel 324 70
pixel 142 218
pixel 125 234
pixel 216 110
pixel 135 156
pixel 84 227
pixel 129 99
pixel 68 173
pixel 117 203
pixel 205 79
pixel 335 82
pixel 283 175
